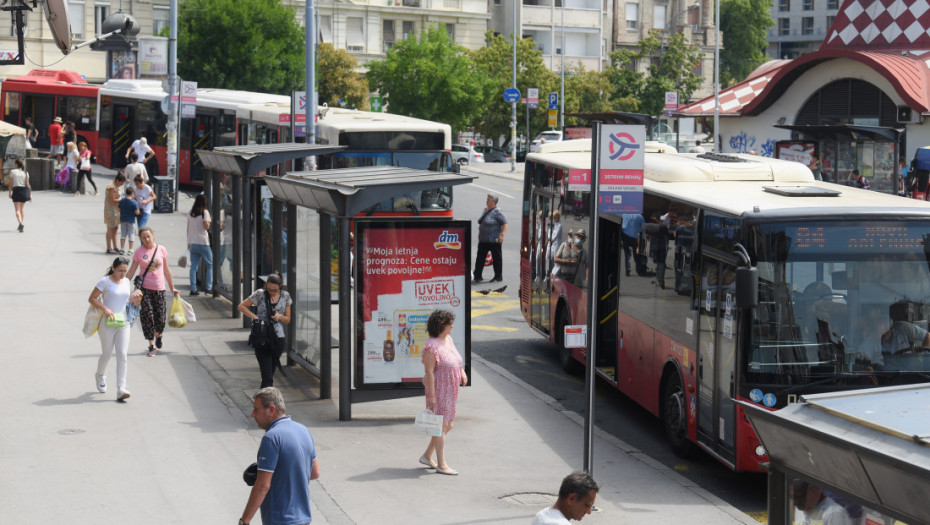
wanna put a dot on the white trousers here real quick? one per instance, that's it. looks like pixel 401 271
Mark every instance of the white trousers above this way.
pixel 114 340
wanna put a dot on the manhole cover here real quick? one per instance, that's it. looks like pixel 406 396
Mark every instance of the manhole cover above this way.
pixel 530 498
pixel 68 431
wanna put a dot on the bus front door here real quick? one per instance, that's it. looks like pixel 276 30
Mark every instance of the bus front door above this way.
pixel 201 138
pixel 717 342
pixel 539 285
pixel 123 134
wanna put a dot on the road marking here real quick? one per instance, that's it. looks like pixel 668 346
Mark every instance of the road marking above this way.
pixel 490 306
pixel 762 516
pixel 493 328
pixel 492 190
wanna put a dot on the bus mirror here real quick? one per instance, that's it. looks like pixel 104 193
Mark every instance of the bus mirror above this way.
pixel 455 167
pixel 747 287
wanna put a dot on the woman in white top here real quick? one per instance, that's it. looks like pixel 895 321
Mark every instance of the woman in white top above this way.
pixel 110 296
pixel 198 242
pixel 20 191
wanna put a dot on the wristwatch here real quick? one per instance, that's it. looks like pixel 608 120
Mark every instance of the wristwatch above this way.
pixel 242 522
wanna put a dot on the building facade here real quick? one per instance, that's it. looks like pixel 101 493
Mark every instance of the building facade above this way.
pixel 800 26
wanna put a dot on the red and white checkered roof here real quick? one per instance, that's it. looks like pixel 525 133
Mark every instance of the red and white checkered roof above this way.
pixel 889 36
pixel 881 25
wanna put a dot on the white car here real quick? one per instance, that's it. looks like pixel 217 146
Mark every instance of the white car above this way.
pixel 466 154
pixel 552 135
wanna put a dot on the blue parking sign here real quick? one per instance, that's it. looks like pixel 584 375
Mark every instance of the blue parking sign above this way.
pixel 553 101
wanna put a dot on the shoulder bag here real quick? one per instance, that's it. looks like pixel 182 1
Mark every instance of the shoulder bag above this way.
pixel 93 316
pixel 139 279
pixel 262 329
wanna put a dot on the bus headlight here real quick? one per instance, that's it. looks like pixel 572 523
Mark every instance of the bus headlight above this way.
pixel 760 450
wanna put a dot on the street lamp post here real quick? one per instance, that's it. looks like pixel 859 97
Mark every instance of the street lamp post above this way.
pixel 513 112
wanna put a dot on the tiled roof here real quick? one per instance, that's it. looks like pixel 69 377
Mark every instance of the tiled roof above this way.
pixel 880 25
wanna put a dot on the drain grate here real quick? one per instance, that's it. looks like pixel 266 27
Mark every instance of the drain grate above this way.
pixel 530 498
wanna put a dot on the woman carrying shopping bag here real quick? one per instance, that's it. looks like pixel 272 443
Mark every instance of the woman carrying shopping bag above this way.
pixel 111 295
pixel 198 242
pixel 152 262
pixel 272 304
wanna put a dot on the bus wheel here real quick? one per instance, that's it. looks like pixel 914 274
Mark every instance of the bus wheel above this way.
pixel 675 416
pixel 566 359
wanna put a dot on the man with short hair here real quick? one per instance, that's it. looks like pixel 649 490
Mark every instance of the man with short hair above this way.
pixel 576 498
pixel 861 182
pixel 287 463
pixel 697 148
pixel 492 226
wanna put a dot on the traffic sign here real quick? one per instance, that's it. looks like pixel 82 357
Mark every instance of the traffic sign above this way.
pixel 553 117
pixel 375 104
pixel 511 95
pixel 553 101
pixel 532 95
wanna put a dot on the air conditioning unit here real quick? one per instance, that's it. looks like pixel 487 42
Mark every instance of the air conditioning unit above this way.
pixel 907 116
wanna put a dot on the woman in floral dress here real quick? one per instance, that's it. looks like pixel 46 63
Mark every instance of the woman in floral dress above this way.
pixel 443 374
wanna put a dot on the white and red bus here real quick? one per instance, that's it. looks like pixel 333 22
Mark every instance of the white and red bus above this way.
pixel 842 302
pixel 44 94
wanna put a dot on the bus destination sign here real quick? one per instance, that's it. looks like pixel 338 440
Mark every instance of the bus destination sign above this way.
pixel 621 154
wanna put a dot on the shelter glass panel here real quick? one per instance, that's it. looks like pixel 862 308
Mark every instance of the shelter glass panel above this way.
pixel 307 288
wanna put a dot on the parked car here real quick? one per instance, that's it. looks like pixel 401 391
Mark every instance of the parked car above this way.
pixel 464 154
pixel 492 154
pixel 552 135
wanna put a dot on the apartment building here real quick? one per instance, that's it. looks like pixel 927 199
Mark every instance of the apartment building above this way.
pixel 800 26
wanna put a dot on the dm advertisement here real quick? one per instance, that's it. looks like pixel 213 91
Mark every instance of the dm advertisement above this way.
pixel 405 270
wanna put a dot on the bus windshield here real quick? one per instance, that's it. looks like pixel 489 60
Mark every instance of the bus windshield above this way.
pixel 419 160
pixel 841 303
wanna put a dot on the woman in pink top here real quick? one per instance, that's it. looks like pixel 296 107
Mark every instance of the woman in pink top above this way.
pixel 151 261
pixel 443 373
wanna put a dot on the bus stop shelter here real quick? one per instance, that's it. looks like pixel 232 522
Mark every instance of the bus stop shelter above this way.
pixel 869 449
pixel 343 194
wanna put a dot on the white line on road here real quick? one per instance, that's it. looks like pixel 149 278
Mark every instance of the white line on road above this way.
pixel 496 192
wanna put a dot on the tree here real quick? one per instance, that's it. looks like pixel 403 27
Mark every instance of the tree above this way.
pixel 585 92
pixel 494 62
pixel 672 71
pixel 743 24
pixel 337 80
pixel 251 45
pixel 430 78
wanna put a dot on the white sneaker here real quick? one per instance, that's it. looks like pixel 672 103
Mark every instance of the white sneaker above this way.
pixel 122 395
pixel 101 383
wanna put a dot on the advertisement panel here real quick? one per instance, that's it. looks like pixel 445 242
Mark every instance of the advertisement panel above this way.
pixel 153 57
pixel 405 269
pixel 621 156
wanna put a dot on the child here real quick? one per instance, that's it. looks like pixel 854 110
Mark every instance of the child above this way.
pixel 128 209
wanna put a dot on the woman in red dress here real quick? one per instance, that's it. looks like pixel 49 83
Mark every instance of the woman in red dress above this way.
pixel 443 374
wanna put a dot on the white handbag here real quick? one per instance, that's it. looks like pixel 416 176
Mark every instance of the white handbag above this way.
pixel 428 423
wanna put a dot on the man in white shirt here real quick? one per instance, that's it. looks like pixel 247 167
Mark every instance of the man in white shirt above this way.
pixel 144 152
pixel 697 148
pixel 576 499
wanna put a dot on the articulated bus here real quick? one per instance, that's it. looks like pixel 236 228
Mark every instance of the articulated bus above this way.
pixel 834 288
pixel 44 94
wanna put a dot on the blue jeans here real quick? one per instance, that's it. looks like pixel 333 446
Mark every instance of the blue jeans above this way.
pixel 201 251
pixel 143 218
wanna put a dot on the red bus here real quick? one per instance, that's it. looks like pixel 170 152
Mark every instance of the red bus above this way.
pixel 842 297
pixel 44 94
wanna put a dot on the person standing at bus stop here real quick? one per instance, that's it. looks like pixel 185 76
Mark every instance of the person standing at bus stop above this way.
pixel 57 145
pixel 630 230
pixel 492 226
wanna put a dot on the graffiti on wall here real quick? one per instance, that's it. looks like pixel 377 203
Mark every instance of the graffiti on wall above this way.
pixel 742 142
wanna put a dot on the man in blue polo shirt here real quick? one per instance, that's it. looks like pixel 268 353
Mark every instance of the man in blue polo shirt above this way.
pixel 286 464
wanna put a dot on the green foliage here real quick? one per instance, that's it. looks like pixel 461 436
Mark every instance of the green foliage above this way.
pixel 337 79
pixel 585 92
pixel 430 78
pixel 673 71
pixel 252 45
pixel 494 63
pixel 743 24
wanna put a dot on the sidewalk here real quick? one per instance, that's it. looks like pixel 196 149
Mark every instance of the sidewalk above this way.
pixel 175 452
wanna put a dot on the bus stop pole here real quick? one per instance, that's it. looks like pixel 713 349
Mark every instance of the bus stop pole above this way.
pixel 590 361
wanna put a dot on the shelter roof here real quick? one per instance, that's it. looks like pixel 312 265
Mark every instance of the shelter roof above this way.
pixel 252 159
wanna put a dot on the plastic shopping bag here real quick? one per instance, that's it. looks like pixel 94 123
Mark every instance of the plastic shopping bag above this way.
pixel 428 423
pixel 189 311
pixel 176 316
pixel 91 321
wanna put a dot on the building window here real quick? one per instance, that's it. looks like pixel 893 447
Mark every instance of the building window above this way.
pixel 161 19
pixel 808 5
pixel 784 5
pixel 387 34
pixel 407 28
pixel 832 4
pixel 807 25
pixel 76 18
pixel 658 17
pixel 326 28
pixel 632 16
pixel 497 2
pixel 355 34
pixel 450 28
pixel 101 12
pixel 830 20
pixel 784 26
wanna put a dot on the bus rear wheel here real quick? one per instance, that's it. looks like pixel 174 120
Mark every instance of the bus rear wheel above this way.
pixel 566 357
pixel 675 416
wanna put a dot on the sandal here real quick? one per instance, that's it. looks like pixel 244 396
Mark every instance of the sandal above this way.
pixel 112 252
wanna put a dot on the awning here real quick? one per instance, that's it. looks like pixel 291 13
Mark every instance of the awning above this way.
pixel 251 159
pixel 871 445
pixel 346 192
pixel 875 133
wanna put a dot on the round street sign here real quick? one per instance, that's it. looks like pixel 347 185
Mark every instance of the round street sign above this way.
pixel 511 95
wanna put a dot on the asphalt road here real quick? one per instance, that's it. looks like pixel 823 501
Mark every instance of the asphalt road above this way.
pixel 500 335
